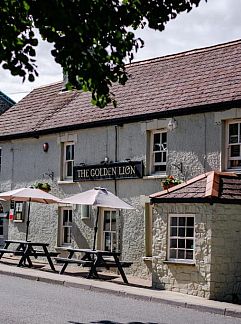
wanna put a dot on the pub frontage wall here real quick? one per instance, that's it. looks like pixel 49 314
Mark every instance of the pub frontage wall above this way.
pixel 24 162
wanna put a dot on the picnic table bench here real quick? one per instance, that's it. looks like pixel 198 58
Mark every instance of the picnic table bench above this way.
pixel 95 259
pixel 27 249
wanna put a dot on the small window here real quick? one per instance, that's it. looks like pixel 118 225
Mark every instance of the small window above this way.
pixel 68 161
pixel 159 152
pixel 234 145
pixel 66 226
pixel 19 211
pixel 181 237
pixel 85 211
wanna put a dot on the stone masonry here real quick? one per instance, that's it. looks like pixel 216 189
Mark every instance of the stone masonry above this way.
pixel 216 271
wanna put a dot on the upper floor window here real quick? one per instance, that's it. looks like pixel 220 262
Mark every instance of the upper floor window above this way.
pixel 181 237
pixel 68 162
pixel 159 152
pixel 234 145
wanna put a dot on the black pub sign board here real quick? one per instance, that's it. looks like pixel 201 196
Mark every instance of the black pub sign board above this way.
pixel 108 171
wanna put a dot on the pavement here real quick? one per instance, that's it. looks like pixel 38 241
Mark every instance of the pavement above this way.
pixel 112 283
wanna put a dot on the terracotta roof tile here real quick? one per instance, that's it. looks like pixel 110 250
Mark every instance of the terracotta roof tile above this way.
pixel 216 186
pixel 175 82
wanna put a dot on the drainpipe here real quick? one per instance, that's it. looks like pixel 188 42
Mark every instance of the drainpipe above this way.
pixel 116 153
pixel 205 143
pixel 12 168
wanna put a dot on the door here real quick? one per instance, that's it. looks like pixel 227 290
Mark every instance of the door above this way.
pixel 109 235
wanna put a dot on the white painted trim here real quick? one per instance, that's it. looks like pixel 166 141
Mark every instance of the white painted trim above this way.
pixel 169 235
pixel 151 163
pixel 220 116
pixel 227 145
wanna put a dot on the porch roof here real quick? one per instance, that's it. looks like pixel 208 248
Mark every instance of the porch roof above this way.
pixel 222 187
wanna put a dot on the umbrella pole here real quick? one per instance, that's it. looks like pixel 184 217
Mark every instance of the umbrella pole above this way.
pixel 28 221
pixel 96 227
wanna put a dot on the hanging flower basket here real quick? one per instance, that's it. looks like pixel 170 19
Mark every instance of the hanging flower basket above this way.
pixel 170 182
pixel 42 186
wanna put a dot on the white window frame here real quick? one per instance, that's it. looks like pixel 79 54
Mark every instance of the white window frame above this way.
pixel 178 260
pixel 63 227
pixel 229 145
pixel 19 211
pixel 152 153
pixel 102 234
pixel 1 221
pixel 66 162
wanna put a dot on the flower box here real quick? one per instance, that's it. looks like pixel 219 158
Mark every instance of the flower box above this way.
pixel 43 186
pixel 170 182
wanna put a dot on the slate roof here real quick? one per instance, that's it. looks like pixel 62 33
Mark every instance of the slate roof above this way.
pixel 5 102
pixel 193 81
pixel 209 187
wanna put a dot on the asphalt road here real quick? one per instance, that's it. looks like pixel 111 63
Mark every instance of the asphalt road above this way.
pixel 26 301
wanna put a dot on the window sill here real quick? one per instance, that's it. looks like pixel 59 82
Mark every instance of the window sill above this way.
pixel 65 182
pixel 238 171
pixel 62 247
pixel 145 258
pixel 190 263
pixel 155 176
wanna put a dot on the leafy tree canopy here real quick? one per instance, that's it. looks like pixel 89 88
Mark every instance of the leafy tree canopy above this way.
pixel 91 38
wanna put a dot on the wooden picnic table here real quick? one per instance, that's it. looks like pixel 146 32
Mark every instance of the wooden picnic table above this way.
pixel 95 259
pixel 28 249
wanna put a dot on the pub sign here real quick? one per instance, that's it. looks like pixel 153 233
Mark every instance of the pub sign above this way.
pixel 108 171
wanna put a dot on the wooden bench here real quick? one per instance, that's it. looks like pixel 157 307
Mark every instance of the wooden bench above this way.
pixel 112 264
pixel 42 253
pixel 7 251
pixel 66 261
pixel 84 263
pixel 15 252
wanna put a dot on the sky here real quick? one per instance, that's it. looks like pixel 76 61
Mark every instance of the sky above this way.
pixel 213 22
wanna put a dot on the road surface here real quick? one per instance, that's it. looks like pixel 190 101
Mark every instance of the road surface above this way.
pixel 25 301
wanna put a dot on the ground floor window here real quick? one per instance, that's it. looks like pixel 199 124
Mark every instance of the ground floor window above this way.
pixel 181 237
pixel 66 226
pixel 1 227
pixel 19 211
pixel 109 230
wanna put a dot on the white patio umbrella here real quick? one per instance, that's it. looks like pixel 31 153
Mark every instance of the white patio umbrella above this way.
pixel 29 195
pixel 99 197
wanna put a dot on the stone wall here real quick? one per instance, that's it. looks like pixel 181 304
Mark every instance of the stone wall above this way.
pixel 24 162
pixel 226 252
pixel 193 279
pixel 216 272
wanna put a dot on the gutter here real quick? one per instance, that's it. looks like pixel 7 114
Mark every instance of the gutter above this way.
pixel 129 119
pixel 193 200
pixel 7 99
